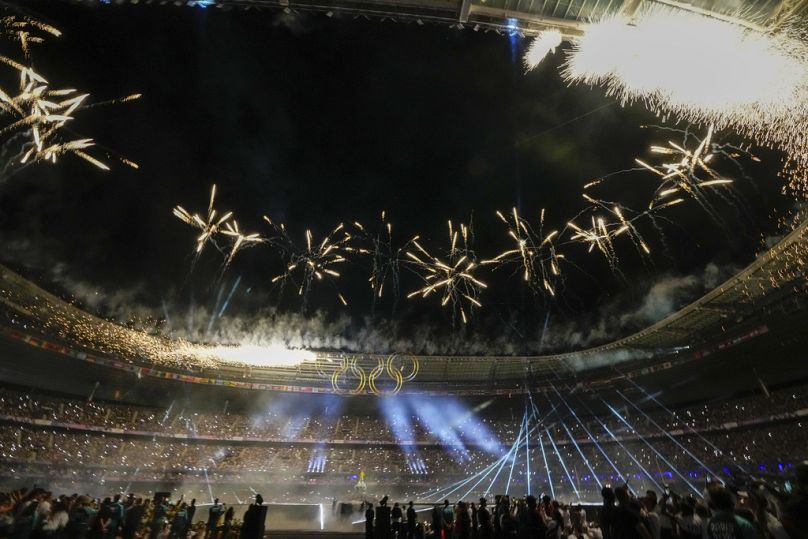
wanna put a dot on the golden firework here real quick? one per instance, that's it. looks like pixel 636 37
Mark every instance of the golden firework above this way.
pixel 450 276
pixel 534 251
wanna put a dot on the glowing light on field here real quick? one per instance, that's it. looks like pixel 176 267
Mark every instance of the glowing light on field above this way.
pixel 703 70
pixel 545 43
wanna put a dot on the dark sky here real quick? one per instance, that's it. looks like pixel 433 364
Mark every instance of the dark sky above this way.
pixel 317 120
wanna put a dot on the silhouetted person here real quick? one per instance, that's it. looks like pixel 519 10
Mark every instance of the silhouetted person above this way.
pixel 397 515
pixel 133 519
pixel 369 517
pixel 437 521
pixel 412 519
pixel 725 524
pixel 486 529
pixel 191 510
pixel 382 527
pixel 627 521
pixel 448 518
pixel 180 523
pixel 254 520
pixel 606 517
pixel 463 524
pixel 214 513
pixel 474 523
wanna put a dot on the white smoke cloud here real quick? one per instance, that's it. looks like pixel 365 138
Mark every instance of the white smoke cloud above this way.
pixel 323 331
pixel 662 297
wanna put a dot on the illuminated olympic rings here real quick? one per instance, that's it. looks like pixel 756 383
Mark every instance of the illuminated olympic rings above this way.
pixel 349 365
pixel 399 368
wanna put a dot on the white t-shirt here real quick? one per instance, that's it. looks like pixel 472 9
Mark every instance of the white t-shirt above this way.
pixel 653 520
pixel 775 527
pixel 43 508
pixel 56 521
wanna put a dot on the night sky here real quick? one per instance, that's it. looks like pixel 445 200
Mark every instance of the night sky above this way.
pixel 314 121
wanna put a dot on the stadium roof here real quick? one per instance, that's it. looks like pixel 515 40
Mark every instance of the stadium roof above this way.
pixel 524 16
pixel 775 284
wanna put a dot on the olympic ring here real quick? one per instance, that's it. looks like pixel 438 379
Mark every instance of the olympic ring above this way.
pixel 394 374
pixel 349 368
pixel 345 366
pixel 415 366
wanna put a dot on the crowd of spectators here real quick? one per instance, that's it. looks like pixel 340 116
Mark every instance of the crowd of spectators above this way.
pixel 271 424
pixel 38 514
pixel 750 510
pixel 45 438
pixel 745 509
pixel 768 446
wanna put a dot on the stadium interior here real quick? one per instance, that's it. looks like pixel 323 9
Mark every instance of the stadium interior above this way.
pixel 709 399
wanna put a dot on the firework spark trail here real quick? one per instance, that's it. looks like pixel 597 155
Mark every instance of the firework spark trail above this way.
pixel 238 241
pixel 546 42
pixel 385 257
pixel 56 317
pixel 687 172
pixel 37 109
pixel 209 226
pixel 452 276
pixel 706 71
pixel 315 262
pixel 598 235
pixel 534 251
pixel 26 31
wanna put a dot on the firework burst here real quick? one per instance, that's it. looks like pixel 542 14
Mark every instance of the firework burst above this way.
pixel 689 172
pixel 535 252
pixel 39 112
pixel 451 276
pixel 25 31
pixel 317 261
pixel 685 172
pixel 238 241
pixel 703 70
pixel 208 227
pixel 385 257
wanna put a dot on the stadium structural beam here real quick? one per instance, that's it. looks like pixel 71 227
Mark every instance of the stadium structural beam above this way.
pixel 713 14
pixel 724 308
pixel 567 27
pixel 465 9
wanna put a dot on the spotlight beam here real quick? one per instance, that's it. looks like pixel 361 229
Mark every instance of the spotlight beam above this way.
pixel 563 464
pixel 666 433
pixel 546 467
pixel 591 436
pixel 652 448
pixel 676 417
pixel 527 453
pixel 519 442
pixel 502 465
pixel 541 445
pixel 619 443
pixel 583 458
pixel 629 453
pixel 575 443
